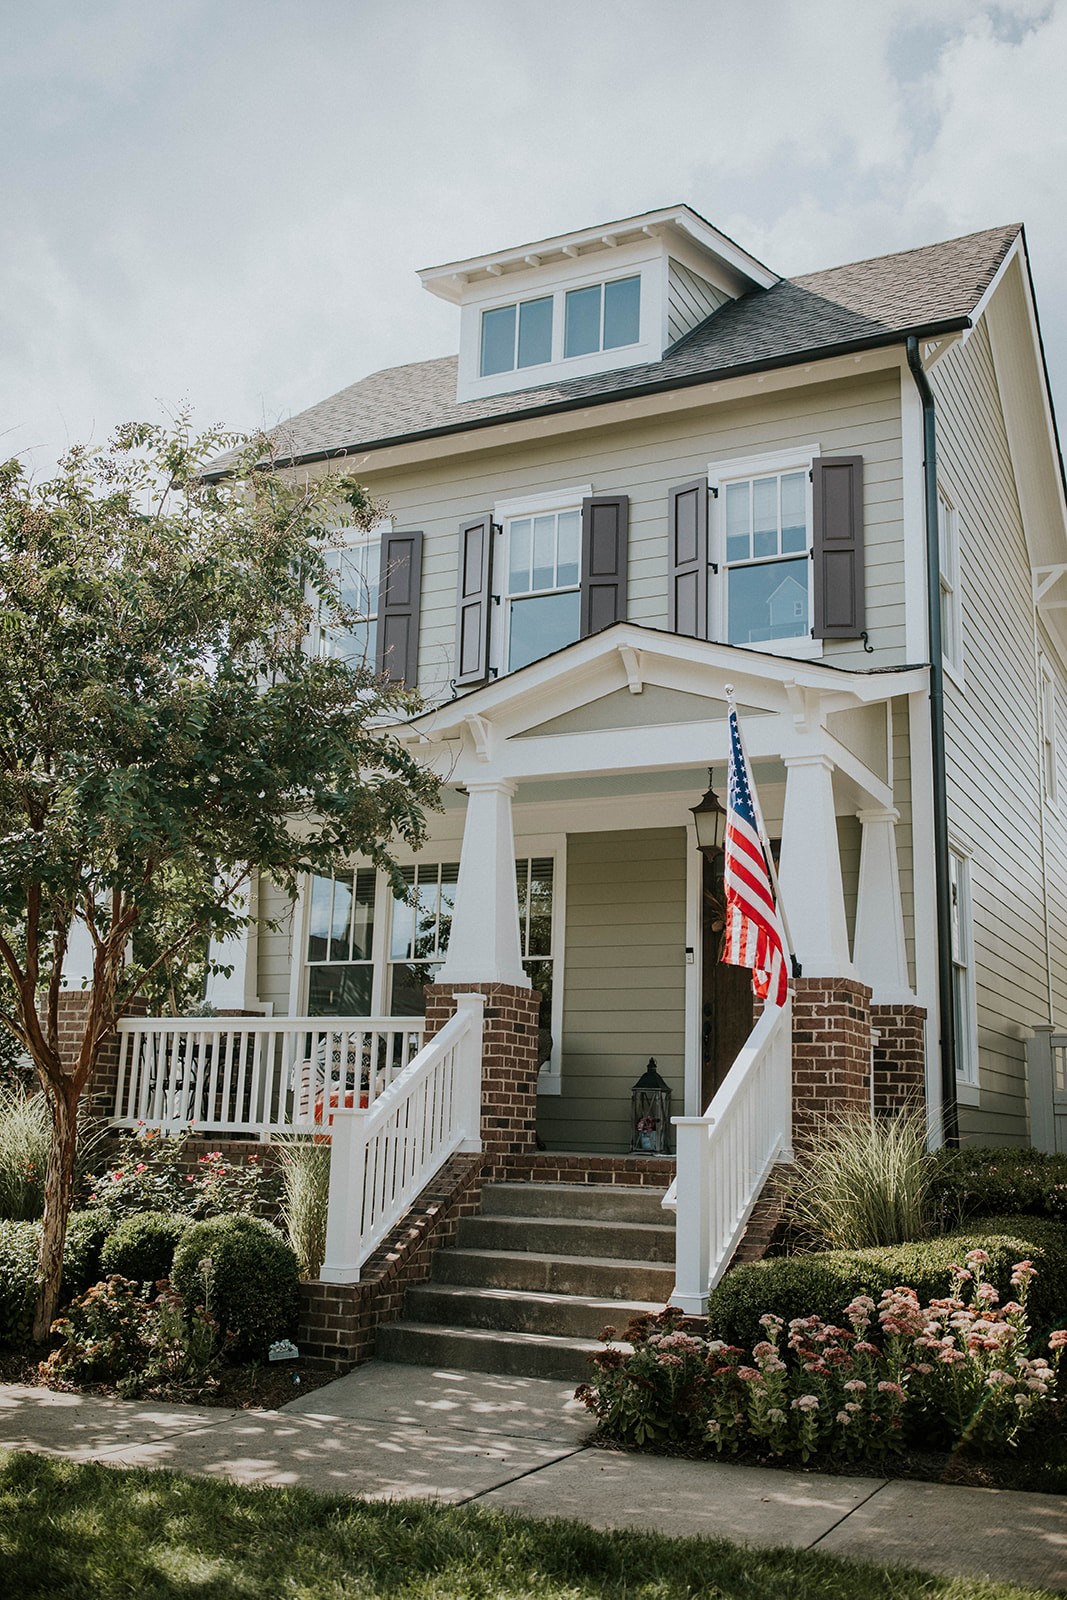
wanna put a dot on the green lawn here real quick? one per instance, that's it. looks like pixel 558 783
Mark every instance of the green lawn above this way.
pixel 68 1532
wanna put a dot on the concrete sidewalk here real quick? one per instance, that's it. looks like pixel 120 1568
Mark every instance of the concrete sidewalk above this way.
pixel 522 1444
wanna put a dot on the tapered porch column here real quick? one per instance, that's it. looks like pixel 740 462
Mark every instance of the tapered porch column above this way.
pixel 239 991
pixel 880 954
pixel 484 944
pixel 810 873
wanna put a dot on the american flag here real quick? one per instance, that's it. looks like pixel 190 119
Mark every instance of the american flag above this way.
pixel 753 936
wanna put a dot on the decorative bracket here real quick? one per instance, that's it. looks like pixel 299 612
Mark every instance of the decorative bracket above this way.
pixel 806 705
pixel 480 732
pixel 1045 581
pixel 631 661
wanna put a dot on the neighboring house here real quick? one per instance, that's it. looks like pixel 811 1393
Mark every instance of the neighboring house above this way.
pixel 656 469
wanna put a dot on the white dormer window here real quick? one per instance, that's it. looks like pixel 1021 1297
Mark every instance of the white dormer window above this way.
pixel 518 335
pixel 603 316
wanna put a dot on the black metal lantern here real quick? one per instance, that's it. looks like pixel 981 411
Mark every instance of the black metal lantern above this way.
pixel 710 820
pixel 650 1119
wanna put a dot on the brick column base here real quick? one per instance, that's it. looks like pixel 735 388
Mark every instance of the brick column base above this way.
pixel 509 1061
pixel 98 1101
pixel 831 1050
pixel 899 1058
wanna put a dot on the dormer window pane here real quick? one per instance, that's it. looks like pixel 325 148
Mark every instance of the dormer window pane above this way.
pixel 622 312
pixel 535 332
pixel 544 562
pixel 569 533
pixel 582 327
pixel 498 340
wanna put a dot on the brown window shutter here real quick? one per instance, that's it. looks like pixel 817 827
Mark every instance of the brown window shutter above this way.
pixel 837 547
pixel 474 602
pixel 605 528
pixel 399 589
pixel 687 594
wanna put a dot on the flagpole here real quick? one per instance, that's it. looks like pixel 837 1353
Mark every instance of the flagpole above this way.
pixel 765 843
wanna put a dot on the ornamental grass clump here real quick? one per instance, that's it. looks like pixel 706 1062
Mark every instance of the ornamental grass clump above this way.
pixel 958 1373
pixel 305 1177
pixel 864 1182
pixel 25 1133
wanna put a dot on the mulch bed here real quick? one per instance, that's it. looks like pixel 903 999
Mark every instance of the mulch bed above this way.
pixel 258 1388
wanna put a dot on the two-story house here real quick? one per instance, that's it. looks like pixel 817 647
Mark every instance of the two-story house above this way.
pixel 657 469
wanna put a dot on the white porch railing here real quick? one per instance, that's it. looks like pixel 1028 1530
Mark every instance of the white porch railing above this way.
pixel 256 1074
pixel 725 1156
pixel 382 1155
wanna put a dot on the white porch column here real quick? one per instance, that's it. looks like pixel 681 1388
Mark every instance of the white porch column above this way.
pixel 810 872
pixel 881 958
pixel 240 991
pixel 484 944
pixel 80 957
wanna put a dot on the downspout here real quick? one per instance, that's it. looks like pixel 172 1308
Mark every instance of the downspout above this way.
pixel 942 879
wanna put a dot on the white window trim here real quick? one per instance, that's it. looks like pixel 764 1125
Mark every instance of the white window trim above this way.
pixel 504 512
pixel 527 846
pixel 355 539
pixel 967 1084
pixel 1047 712
pixel 720 473
pixel 949 583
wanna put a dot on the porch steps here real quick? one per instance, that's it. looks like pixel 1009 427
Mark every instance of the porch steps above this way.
pixel 531 1282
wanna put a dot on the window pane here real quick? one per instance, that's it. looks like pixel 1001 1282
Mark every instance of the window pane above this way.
pixel 622 313
pixel 768 602
pixel 403 920
pixel 319 920
pixel 568 539
pixel 341 991
pixel 794 513
pixel 535 332
pixel 539 940
pixel 449 879
pixel 425 944
pixel 519 556
pixel 341 920
pixel 498 340
pixel 363 915
pixel 738 546
pixel 765 517
pixel 540 976
pixel 407 982
pixel 582 326
pixel 540 626
pixel 544 553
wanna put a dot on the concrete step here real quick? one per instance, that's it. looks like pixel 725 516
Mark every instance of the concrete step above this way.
pixel 537 1272
pixel 625 1241
pixel 567 1316
pixel 520 1355
pixel 590 1201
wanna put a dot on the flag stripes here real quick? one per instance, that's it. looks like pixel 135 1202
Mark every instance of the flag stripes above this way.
pixel 753 934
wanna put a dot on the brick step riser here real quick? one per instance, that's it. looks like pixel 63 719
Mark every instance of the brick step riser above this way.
pixel 450 1348
pixel 628 1242
pixel 592 1204
pixel 538 1274
pixel 568 1319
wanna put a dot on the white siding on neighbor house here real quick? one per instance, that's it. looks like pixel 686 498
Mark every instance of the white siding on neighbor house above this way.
pixel 624 983
pixel 1055 839
pixel 645 460
pixel 992 735
pixel 690 299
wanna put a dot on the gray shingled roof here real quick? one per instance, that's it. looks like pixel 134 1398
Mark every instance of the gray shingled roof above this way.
pixel 866 303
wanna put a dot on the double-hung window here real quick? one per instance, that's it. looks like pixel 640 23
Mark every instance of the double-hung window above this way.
pixel 1047 710
pixel 948 544
pixel 340 944
pixel 350 632
pixel 539 577
pixel 763 548
pixel 964 996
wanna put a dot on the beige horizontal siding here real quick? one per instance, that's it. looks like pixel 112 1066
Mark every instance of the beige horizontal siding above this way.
pixel 624 983
pixel 275 955
pixel 645 460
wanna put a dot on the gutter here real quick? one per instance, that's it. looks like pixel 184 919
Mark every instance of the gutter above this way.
pixel 741 369
pixel 942 880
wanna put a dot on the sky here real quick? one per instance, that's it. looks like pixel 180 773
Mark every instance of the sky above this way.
pixel 223 203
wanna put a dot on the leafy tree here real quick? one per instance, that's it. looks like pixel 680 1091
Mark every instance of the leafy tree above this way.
pixel 165 728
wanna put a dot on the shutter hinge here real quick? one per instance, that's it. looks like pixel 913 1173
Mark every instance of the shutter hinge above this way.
pixel 713 490
pixel 811 553
pixel 496 527
pixel 495 599
pixel 714 567
pixel 811 474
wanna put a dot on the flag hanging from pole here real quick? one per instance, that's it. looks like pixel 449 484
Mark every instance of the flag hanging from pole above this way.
pixel 753 936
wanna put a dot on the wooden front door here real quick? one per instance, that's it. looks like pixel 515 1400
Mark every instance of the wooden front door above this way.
pixel 726 992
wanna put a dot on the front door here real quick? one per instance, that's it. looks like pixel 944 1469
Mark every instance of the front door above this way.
pixel 727 1007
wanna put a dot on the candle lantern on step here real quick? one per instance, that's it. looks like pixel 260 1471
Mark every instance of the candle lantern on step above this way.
pixel 650 1119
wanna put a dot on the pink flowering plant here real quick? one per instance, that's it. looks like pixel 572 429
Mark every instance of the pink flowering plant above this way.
pixel 121 1338
pixel 153 1172
pixel 958 1371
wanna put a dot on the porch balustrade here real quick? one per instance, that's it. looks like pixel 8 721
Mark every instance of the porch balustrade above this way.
pixel 725 1157
pixel 256 1075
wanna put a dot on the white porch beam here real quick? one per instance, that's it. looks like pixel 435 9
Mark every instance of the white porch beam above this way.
pixel 810 874
pixel 880 955
pixel 484 945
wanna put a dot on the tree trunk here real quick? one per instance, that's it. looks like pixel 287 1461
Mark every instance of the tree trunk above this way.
pixel 58 1194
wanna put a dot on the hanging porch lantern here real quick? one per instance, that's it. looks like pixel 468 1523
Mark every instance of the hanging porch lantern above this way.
pixel 650 1115
pixel 710 821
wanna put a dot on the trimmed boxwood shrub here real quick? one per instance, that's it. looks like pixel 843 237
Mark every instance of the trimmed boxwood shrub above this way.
pixel 250 1288
pixel 824 1282
pixel 978 1181
pixel 142 1247
pixel 86 1232
pixel 20 1244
